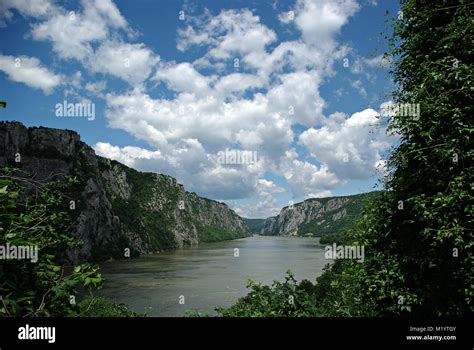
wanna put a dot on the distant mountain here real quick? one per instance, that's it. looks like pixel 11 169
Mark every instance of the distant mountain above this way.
pixel 117 207
pixel 254 225
pixel 315 217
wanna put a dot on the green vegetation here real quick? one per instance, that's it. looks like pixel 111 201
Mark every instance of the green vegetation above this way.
pixel 100 307
pixel 330 230
pixel 254 225
pixel 34 215
pixel 134 213
pixel 330 224
pixel 215 234
pixel 417 233
pixel 282 299
pixel 151 209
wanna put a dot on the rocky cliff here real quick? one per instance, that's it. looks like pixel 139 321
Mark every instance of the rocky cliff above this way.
pixel 116 207
pixel 315 217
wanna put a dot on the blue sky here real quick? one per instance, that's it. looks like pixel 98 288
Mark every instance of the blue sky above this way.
pixel 168 96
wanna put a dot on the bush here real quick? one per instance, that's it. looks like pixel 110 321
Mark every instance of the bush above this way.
pixel 100 307
pixel 282 299
pixel 35 214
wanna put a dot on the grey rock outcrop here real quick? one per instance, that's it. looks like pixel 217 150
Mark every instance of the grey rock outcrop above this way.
pixel 117 207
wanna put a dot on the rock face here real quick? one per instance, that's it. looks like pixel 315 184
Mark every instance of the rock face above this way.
pixel 315 217
pixel 117 207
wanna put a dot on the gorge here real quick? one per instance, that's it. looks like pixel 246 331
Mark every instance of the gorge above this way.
pixel 118 212
pixel 117 208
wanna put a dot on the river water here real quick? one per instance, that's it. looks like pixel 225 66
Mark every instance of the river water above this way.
pixel 208 275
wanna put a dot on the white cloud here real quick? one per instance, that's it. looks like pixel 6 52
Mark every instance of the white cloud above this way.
pixel 357 84
pixel 267 187
pixel 214 111
pixel 130 62
pixel 29 71
pixel 191 165
pixel 73 33
pixel 27 8
pixel 236 83
pixel 298 96
pixel 71 38
pixel 252 107
pixel 96 88
pixel 262 209
pixel 351 148
pixel 161 122
pixel 126 155
pixel 107 10
pixel 320 20
pixel 183 77
pixel 378 61
pixel 231 33
pixel 321 194
pixel 304 177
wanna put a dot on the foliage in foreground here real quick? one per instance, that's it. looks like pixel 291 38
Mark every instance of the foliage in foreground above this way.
pixel 34 214
pixel 100 307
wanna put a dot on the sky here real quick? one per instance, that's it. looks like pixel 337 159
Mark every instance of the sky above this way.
pixel 174 85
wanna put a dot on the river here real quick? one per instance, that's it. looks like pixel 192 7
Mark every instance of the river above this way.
pixel 208 275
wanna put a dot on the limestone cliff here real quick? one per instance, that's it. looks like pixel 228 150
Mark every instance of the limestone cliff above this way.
pixel 315 216
pixel 117 207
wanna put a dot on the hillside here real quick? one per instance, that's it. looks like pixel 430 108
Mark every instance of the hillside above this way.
pixel 116 207
pixel 316 217
pixel 254 225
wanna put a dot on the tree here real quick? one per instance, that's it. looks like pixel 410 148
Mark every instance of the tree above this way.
pixel 419 234
pixel 44 286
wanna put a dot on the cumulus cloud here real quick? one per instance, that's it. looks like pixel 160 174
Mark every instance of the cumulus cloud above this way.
pixel 298 95
pixel 304 177
pixel 90 36
pixel 126 155
pixel 320 20
pixel 267 187
pixel 29 71
pixel 72 34
pixel 321 194
pixel 37 9
pixel 130 62
pixel 231 33
pixel 263 208
pixel 191 165
pixel 259 105
pixel 213 110
pixel 183 77
pixel 353 147
pixel 215 123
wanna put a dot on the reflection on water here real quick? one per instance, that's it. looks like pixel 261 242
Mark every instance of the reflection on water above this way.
pixel 208 275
